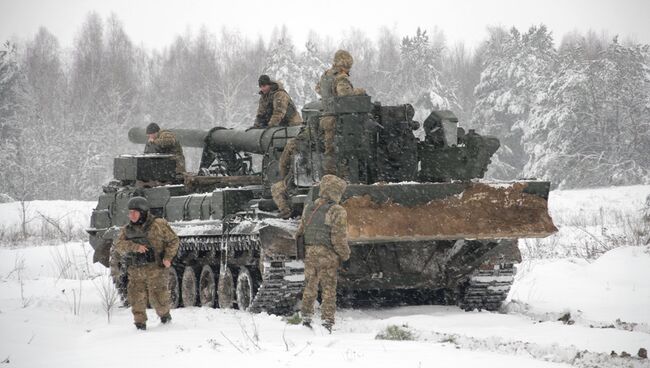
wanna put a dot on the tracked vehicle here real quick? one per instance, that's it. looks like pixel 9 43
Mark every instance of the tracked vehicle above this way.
pixel 421 222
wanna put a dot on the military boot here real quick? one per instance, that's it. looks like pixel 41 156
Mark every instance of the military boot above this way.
pixel 281 199
pixel 285 213
pixel 166 318
pixel 328 326
pixel 141 326
pixel 306 321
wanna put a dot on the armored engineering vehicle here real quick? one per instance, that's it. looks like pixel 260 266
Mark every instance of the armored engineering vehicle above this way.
pixel 420 222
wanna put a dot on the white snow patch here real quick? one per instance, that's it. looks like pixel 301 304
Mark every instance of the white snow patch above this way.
pixel 47 332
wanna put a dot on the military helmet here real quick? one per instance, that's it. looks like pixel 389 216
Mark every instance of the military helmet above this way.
pixel 153 128
pixel 343 59
pixel 138 203
pixel 264 80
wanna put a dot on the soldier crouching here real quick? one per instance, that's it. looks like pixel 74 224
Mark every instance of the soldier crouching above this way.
pixel 324 230
pixel 147 245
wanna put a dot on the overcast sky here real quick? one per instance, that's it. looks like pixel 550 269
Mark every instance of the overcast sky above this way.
pixel 154 24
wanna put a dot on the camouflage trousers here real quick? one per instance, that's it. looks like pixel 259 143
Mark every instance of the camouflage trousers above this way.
pixel 281 197
pixel 148 283
pixel 280 188
pixel 321 264
pixel 287 155
pixel 328 125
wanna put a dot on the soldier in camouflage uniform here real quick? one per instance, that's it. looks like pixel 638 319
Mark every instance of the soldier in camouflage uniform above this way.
pixel 275 108
pixel 335 82
pixel 280 190
pixel 324 230
pixel 164 141
pixel 147 246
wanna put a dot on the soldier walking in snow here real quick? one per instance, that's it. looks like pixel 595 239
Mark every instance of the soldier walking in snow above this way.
pixel 324 230
pixel 148 245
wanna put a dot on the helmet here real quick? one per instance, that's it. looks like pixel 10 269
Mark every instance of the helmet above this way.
pixel 138 203
pixel 343 59
pixel 153 128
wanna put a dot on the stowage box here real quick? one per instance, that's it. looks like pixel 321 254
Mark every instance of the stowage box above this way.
pixel 145 167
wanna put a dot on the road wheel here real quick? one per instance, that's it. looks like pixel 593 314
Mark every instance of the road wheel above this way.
pixel 226 288
pixel 189 287
pixel 172 284
pixel 207 287
pixel 245 289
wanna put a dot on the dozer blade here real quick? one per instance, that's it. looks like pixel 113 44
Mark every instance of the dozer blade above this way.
pixel 438 211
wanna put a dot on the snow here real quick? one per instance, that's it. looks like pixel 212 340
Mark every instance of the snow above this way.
pixel 197 227
pixel 71 216
pixel 51 310
pixel 616 285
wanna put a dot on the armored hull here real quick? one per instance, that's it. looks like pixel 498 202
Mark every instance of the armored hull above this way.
pixel 420 222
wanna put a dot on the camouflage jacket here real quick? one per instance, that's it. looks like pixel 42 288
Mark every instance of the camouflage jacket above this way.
pixel 166 143
pixel 337 219
pixel 276 108
pixel 158 233
pixel 340 84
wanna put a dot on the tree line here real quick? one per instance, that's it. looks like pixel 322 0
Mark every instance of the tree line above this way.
pixel 577 114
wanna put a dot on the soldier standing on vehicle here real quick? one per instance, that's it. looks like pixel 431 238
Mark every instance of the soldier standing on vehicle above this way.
pixel 323 229
pixel 164 141
pixel 280 190
pixel 275 108
pixel 335 82
pixel 147 245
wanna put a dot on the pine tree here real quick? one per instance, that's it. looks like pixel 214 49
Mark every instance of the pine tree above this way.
pixel 419 76
pixel 593 126
pixel 516 68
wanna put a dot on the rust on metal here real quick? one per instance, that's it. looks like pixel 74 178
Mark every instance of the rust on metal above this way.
pixel 480 212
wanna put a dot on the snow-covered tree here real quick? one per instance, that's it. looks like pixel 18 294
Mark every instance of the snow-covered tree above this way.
pixel 363 51
pixel 516 69
pixel 312 69
pixel 461 73
pixel 419 76
pixel 10 132
pixel 87 77
pixel 283 66
pixel 593 125
pixel 239 66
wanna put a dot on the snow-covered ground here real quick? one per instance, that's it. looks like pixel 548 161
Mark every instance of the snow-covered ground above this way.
pixel 44 219
pixel 51 311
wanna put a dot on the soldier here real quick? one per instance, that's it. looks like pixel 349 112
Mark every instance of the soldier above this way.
pixel 164 141
pixel 275 108
pixel 324 231
pixel 280 190
pixel 335 82
pixel 148 245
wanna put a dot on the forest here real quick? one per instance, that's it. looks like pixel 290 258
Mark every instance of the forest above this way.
pixel 573 109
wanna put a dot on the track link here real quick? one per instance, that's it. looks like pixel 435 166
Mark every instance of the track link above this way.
pixel 282 277
pixel 282 283
pixel 487 289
